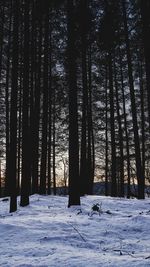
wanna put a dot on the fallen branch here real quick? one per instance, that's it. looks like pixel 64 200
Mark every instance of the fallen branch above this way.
pixel 124 251
pixel 148 257
pixel 77 231
pixel 121 251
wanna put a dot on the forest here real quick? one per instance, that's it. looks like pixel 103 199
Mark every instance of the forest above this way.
pixel 74 98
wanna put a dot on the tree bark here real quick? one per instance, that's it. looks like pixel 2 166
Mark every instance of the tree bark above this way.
pixel 112 124
pixel 84 176
pixel 145 11
pixel 7 104
pixel 74 191
pixel 36 112
pixel 25 179
pixel 125 127
pixel 13 111
pixel 106 136
pixel 54 141
pixel 121 156
pixel 43 172
pixel 139 171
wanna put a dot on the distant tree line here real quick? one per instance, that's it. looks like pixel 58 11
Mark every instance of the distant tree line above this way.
pixel 74 87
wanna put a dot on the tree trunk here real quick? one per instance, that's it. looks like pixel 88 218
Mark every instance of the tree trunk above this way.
pixel 112 124
pixel 13 111
pixel 134 111
pixel 7 190
pixel 125 126
pixel 74 191
pixel 49 114
pixel 1 38
pixel 0 180
pixel 54 141
pixel 145 11
pixel 19 135
pixel 90 156
pixel 84 176
pixel 43 172
pixel 25 179
pixel 106 137
pixel 142 118
pixel 121 162
pixel 36 115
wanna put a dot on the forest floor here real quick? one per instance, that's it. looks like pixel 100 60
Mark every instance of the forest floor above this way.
pixel 48 234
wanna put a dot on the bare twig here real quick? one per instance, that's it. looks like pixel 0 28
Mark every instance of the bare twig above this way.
pixel 148 257
pixel 121 252
pixel 77 231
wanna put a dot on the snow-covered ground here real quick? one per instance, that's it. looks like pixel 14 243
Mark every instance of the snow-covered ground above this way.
pixel 48 234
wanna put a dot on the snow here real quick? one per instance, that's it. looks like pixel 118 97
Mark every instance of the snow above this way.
pixel 48 234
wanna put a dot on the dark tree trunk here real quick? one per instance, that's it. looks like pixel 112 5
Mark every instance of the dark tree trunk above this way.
pixel 142 118
pixel 74 191
pixel 25 179
pixel 145 12
pixel 54 141
pixel 20 102
pixel 134 110
pixel 19 136
pixel 13 111
pixel 1 37
pixel 84 151
pixel 49 149
pixel 36 113
pixel 7 190
pixel 49 114
pixel 33 63
pixel 125 127
pixel 1 56
pixel 0 180
pixel 90 154
pixel 121 156
pixel 106 137
pixel 43 172
pixel 112 124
